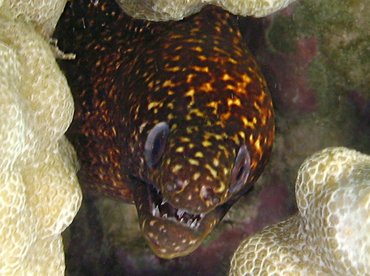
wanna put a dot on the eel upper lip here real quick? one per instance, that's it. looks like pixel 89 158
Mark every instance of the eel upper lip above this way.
pixel 171 232
pixel 151 205
pixel 161 208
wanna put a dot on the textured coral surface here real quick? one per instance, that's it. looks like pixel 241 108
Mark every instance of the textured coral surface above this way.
pixel 39 192
pixel 43 14
pixel 330 234
pixel 159 10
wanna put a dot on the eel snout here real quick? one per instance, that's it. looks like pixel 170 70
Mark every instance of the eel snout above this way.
pixel 170 231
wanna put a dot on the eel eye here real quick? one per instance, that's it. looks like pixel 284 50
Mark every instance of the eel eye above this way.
pixel 156 143
pixel 241 170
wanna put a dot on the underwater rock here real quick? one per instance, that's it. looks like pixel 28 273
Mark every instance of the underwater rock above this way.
pixel 39 194
pixel 329 235
pixel 164 10
pixel 294 93
pixel 330 44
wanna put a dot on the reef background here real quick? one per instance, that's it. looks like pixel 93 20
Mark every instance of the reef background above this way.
pixel 315 56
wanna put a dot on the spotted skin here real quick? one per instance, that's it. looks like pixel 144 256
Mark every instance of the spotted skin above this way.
pixel 197 76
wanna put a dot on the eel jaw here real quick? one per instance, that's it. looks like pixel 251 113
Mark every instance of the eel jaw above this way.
pixel 169 231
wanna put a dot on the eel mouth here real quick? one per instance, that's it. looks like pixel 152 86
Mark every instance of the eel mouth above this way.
pixel 161 208
pixel 171 232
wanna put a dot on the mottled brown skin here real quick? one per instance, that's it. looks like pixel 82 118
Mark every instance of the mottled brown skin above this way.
pixel 198 76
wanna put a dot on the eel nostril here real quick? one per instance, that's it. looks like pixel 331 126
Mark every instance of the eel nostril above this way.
pixel 177 186
pixel 208 195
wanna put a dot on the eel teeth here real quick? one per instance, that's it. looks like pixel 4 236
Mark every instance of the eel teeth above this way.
pixel 194 224
pixel 180 212
pixel 181 215
pixel 155 211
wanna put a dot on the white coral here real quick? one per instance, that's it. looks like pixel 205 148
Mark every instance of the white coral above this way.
pixel 43 14
pixel 162 10
pixel 330 234
pixel 39 192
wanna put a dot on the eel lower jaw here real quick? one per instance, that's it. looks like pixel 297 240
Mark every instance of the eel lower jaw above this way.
pixel 171 232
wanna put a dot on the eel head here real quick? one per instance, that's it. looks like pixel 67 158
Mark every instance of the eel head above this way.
pixel 189 185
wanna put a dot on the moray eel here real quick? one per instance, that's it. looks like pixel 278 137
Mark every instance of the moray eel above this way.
pixel 174 117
